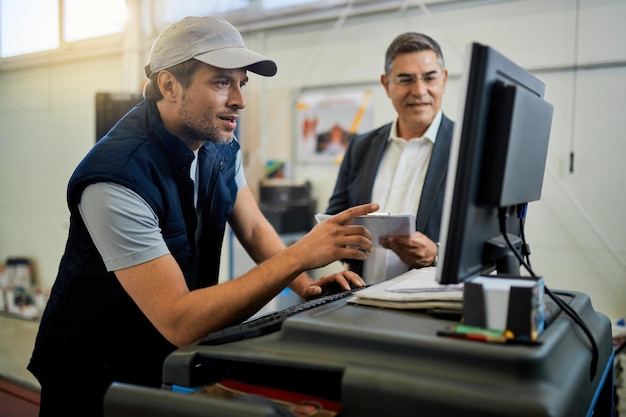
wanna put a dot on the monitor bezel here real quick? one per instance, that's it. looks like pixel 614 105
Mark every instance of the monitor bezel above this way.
pixel 461 210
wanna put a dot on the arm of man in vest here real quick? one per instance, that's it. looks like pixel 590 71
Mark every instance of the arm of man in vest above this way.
pixel 182 316
pixel 261 241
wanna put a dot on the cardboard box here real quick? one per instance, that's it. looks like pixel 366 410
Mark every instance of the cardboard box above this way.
pixel 505 303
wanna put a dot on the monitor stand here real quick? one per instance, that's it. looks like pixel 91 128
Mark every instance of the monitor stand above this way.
pixel 497 250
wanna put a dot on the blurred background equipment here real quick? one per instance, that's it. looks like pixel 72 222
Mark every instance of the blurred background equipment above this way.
pixel 287 205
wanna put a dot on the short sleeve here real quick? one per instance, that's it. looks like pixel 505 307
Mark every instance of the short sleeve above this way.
pixel 123 226
pixel 240 178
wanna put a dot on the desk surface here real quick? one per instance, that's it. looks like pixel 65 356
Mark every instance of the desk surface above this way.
pixel 375 360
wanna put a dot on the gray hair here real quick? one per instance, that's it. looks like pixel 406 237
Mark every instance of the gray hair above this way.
pixel 411 42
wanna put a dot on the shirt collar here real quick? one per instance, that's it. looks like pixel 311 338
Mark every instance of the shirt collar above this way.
pixel 430 134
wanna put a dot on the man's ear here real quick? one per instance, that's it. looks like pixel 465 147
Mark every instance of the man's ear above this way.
pixel 168 85
pixel 384 81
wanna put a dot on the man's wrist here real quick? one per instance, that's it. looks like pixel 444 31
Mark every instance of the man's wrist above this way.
pixel 436 255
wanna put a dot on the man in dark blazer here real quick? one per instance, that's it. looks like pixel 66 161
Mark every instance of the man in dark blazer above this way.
pixel 402 165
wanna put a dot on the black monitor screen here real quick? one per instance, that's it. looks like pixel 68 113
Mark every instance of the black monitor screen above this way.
pixel 496 167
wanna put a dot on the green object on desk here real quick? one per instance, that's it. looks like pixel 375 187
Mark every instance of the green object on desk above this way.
pixel 466 329
pixel 480 334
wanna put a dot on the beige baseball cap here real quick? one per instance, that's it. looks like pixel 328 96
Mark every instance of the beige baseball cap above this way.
pixel 210 39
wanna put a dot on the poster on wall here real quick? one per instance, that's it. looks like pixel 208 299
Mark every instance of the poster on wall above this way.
pixel 327 118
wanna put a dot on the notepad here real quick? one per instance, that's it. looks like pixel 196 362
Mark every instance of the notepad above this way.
pixel 381 224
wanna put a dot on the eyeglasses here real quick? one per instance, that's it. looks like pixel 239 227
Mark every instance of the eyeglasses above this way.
pixel 406 80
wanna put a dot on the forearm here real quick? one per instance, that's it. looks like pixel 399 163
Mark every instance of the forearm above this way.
pixel 210 309
pixel 262 242
pixel 269 244
pixel 182 316
pixel 300 283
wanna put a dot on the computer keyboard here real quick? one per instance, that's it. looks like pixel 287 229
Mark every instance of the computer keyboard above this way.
pixel 270 322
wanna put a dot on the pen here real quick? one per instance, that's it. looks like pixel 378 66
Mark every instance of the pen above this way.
pixel 487 336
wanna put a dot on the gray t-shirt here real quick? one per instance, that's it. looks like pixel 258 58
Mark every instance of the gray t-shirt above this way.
pixel 122 224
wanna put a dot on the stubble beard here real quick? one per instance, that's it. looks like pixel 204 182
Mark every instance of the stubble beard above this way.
pixel 208 134
pixel 202 131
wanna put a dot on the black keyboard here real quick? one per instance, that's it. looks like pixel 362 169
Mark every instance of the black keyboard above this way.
pixel 270 322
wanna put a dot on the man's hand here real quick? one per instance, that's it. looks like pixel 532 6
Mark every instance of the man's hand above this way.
pixel 333 283
pixel 335 239
pixel 416 251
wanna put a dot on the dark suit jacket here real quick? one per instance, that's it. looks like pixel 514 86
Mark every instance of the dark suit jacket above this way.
pixel 359 167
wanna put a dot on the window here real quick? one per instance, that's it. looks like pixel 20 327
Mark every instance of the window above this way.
pixel 28 26
pixel 89 19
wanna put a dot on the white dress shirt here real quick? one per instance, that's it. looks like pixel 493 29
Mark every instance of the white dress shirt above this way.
pixel 398 189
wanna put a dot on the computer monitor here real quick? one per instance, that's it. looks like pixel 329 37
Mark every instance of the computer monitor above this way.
pixel 497 163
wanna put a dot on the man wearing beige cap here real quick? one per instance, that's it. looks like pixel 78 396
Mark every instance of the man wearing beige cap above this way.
pixel 149 206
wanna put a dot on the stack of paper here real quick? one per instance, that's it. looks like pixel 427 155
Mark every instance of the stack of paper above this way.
pixel 415 289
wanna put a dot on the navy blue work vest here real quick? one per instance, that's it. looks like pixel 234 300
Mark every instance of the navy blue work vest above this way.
pixel 89 316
